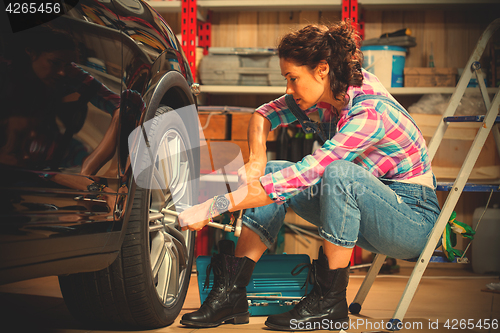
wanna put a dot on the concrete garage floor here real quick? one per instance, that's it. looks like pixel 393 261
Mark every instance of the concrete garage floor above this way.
pixel 443 295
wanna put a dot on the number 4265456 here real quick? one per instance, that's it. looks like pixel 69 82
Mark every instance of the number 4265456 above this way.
pixel 460 324
pixel 33 8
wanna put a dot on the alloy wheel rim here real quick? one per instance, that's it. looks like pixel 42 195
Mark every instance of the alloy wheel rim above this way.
pixel 170 191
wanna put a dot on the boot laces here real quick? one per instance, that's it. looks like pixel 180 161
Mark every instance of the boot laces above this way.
pixel 316 294
pixel 218 282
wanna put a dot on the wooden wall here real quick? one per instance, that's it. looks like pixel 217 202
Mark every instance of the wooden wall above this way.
pixel 261 29
pixel 452 33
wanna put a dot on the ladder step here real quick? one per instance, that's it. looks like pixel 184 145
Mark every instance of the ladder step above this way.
pixel 437 256
pixel 470 187
pixel 468 119
pixel 440 257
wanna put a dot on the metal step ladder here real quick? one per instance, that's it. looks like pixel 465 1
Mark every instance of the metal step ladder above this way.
pixel 490 122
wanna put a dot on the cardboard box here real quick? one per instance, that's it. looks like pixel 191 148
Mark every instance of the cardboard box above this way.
pixel 215 154
pixel 215 126
pixel 454 148
pixel 430 77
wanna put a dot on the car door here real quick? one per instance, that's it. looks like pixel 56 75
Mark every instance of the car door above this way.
pixel 60 100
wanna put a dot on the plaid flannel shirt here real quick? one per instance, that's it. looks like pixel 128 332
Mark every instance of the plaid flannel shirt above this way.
pixel 372 134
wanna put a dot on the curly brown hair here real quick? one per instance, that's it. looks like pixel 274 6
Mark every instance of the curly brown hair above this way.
pixel 337 44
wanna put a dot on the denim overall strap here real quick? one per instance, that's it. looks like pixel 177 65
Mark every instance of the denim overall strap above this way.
pixel 386 99
pixel 308 126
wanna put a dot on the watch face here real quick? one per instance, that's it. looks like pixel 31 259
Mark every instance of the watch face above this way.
pixel 221 204
pixel 93 187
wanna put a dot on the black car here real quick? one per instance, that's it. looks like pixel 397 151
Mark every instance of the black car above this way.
pixel 83 86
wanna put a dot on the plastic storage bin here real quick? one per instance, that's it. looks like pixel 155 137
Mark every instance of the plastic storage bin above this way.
pixel 244 67
pixel 486 243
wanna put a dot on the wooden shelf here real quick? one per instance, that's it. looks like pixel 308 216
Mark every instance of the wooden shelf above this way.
pixel 219 178
pixel 400 3
pixel 272 90
pixel 278 90
pixel 166 6
pixel 432 90
pixel 262 5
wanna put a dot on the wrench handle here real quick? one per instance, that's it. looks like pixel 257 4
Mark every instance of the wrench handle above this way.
pixel 225 227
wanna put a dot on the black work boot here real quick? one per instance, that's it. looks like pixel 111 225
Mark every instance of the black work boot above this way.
pixel 325 307
pixel 227 301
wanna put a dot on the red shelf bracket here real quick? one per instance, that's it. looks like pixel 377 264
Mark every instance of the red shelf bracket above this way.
pixel 188 25
pixel 205 33
pixel 350 12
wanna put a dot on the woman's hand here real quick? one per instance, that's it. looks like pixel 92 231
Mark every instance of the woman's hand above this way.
pixel 248 196
pixel 196 217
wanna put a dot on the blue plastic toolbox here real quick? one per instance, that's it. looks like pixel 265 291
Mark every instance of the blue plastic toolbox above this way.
pixel 272 288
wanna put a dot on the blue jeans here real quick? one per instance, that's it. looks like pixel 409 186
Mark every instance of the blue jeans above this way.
pixel 351 207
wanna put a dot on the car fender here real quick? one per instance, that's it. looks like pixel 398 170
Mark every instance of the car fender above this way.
pixel 173 90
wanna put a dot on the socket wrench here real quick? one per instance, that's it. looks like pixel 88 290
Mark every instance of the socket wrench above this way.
pixel 236 228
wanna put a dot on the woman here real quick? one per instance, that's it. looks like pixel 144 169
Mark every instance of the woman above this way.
pixel 370 184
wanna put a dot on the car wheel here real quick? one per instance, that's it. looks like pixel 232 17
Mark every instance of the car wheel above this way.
pixel 147 284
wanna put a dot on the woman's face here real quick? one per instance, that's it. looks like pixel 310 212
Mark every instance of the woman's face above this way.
pixel 50 67
pixel 308 87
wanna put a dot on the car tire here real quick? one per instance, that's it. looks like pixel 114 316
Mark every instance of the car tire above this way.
pixel 145 287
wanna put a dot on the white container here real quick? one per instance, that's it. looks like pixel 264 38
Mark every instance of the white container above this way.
pixel 486 243
pixel 386 62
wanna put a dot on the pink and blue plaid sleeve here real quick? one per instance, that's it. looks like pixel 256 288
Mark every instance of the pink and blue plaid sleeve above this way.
pixel 360 129
pixel 277 112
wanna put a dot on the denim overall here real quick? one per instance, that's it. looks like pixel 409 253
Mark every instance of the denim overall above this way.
pixel 351 207
pixel 325 130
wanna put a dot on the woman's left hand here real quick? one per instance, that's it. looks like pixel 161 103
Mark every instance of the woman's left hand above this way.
pixel 196 217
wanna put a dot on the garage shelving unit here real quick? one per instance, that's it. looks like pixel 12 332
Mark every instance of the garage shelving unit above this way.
pixel 290 5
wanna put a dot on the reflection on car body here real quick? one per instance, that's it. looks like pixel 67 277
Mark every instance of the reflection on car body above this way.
pixel 73 86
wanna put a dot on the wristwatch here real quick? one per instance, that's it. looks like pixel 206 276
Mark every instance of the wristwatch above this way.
pixel 95 187
pixel 221 204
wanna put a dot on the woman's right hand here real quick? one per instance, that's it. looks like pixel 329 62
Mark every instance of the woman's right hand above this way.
pixel 196 217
